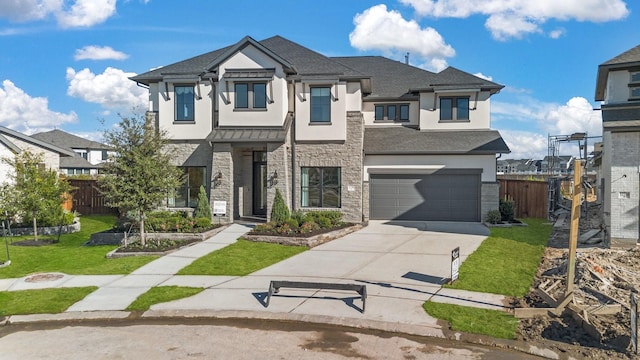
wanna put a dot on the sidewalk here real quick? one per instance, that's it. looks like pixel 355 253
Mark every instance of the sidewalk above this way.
pixel 384 257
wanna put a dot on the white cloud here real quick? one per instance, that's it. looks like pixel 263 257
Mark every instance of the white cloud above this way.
pixel 379 29
pixel 515 18
pixel 21 112
pixel 557 33
pixel 576 115
pixel 112 89
pixel 525 144
pixel 93 52
pixel 483 76
pixel 68 13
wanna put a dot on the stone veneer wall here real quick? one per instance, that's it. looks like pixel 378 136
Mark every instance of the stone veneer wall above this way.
pixel 278 160
pixel 489 198
pixel 222 161
pixel 623 219
pixel 348 156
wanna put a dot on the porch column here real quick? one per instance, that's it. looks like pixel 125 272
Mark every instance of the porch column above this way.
pixel 222 181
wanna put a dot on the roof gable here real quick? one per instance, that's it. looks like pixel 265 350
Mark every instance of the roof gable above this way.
pixel 628 59
pixel 37 142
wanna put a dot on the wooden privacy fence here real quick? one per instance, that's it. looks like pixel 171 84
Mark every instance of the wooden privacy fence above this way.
pixel 530 197
pixel 87 198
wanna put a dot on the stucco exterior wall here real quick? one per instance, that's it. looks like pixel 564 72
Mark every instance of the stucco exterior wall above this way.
pixel 617 90
pixel 480 118
pixel 336 130
pixel 368 110
pixel 179 130
pixel 50 159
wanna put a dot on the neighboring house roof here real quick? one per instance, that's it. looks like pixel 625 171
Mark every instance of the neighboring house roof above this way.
pixel 629 58
pixel 66 140
pixel 34 141
pixel 390 78
pixel 398 140
pixel 77 162
pixel 6 142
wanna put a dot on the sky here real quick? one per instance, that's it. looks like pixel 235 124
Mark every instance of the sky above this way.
pixel 65 64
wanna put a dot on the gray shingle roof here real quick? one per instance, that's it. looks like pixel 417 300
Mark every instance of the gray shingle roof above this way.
pixel 399 140
pixel 70 141
pixel 629 56
pixel 77 162
pixel 33 140
pixel 390 78
pixel 266 134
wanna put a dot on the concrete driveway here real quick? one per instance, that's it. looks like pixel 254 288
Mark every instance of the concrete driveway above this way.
pixel 403 264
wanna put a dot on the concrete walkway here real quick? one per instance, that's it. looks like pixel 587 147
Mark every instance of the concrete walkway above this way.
pixel 403 264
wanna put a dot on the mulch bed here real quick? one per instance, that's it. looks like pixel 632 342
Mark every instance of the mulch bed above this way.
pixel 299 235
pixel 154 245
pixel 33 242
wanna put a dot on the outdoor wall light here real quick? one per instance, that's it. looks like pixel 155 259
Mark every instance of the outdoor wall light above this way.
pixel 217 179
pixel 273 179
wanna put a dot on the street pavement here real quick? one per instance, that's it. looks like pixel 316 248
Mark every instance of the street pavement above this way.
pixel 402 264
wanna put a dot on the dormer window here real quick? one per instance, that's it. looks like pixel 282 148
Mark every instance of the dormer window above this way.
pixel 634 86
pixel 184 101
pixel 392 112
pixel 454 108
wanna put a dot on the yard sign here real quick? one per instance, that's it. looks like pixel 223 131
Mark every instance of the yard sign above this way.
pixel 455 263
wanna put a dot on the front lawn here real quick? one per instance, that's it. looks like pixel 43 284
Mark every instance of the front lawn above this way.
pixel 241 258
pixel 161 294
pixel 473 320
pixel 44 301
pixel 69 256
pixel 507 261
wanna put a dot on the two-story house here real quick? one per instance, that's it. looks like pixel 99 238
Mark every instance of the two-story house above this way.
pixel 13 143
pixel 89 154
pixel 369 136
pixel 618 88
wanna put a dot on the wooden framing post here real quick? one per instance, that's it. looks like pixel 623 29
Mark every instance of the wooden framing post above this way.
pixel 575 220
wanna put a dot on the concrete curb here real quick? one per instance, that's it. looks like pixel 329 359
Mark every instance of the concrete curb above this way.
pixel 77 318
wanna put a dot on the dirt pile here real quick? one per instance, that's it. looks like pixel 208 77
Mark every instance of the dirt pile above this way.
pixel 603 278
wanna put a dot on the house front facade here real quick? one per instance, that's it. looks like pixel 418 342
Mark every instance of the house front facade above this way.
pixel 368 136
pixel 618 88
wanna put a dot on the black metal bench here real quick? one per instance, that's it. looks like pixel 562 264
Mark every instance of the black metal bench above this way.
pixel 275 285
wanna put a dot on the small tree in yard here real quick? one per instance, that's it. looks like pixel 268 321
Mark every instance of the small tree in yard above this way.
pixel 140 175
pixel 279 212
pixel 202 208
pixel 35 190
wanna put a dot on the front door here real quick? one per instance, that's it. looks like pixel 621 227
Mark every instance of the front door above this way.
pixel 259 183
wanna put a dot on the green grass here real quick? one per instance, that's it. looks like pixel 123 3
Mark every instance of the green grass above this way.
pixel 162 294
pixel 473 320
pixel 69 256
pixel 45 301
pixel 507 260
pixel 241 258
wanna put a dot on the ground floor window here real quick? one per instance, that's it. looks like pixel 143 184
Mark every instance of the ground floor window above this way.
pixel 320 187
pixel 75 171
pixel 187 194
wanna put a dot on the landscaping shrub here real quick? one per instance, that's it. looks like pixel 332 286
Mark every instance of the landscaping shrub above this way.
pixel 203 222
pixel 202 208
pixel 324 222
pixel 308 227
pixel 299 216
pixel 293 223
pixel 280 212
pixel 334 217
pixel 507 209
pixel 493 217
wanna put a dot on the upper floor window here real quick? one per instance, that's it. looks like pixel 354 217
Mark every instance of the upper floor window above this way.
pixel 185 98
pixel 320 104
pixel 454 108
pixel 392 112
pixel 251 95
pixel 634 85
pixel 105 155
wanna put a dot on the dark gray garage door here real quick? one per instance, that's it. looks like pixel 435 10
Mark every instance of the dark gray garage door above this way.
pixel 436 197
